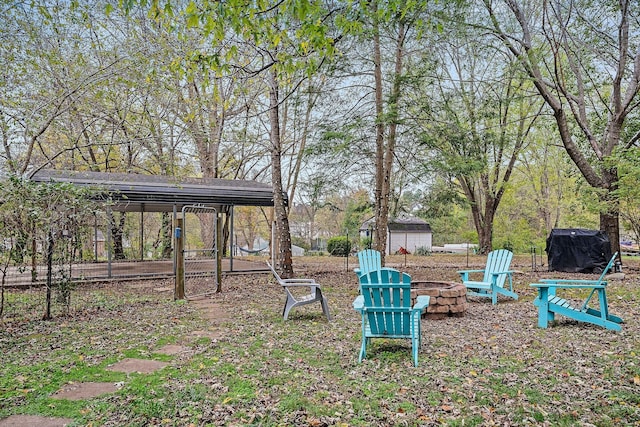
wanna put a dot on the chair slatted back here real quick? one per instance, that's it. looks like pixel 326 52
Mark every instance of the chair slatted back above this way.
pixel 608 267
pixel 369 260
pixel 497 261
pixel 387 302
pixel 600 281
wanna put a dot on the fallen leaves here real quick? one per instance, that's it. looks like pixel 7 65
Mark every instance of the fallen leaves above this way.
pixel 493 366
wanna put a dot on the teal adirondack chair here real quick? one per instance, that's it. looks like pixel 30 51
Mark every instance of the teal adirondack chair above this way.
pixel 495 275
pixel 368 260
pixel 385 306
pixel 549 304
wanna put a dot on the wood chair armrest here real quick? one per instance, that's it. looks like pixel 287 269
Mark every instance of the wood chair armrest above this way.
pixel 575 281
pixel 565 285
pixel 470 271
pixel 422 301
pixel 464 274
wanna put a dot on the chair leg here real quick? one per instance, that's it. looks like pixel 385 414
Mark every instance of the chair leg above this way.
pixel 325 308
pixel 416 337
pixel 363 348
pixel 288 305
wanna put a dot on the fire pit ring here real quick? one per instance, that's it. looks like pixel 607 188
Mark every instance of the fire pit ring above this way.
pixel 447 299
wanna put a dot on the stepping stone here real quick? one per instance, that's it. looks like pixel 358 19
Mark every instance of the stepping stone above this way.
pixel 141 366
pixel 34 420
pixel 80 391
pixel 173 349
pixel 212 311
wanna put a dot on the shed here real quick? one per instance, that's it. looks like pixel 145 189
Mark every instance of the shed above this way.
pixel 408 232
pixel 578 250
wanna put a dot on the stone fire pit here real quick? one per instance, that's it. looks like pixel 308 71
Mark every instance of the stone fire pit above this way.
pixel 447 298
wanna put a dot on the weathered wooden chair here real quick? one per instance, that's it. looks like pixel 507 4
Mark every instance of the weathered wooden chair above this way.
pixel 549 304
pixel 368 260
pixel 495 275
pixel 315 294
pixel 385 306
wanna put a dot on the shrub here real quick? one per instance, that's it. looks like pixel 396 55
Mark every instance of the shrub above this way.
pixel 366 242
pixel 339 246
pixel 423 251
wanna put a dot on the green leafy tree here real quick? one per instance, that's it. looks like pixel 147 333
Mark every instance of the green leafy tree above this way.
pixel 482 123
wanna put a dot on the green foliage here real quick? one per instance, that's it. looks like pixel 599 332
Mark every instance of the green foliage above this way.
pixel 422 251
pixel 300 241
pixel 49 217
pixel 365 243
pixel 357 211
pixel 627 194
pixel 339 246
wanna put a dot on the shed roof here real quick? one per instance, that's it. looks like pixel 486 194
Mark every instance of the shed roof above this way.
pixel 409 224
pixel 405 223
pixel 160 193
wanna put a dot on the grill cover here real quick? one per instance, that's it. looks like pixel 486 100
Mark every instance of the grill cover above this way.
pixel 577 250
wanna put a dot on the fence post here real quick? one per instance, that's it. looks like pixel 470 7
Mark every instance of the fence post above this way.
pixel 219 250
pixel 179 254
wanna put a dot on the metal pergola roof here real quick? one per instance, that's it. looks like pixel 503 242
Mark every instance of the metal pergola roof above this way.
pixel 159 193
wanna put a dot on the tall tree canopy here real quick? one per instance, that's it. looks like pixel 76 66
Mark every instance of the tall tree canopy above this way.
pixel 584 59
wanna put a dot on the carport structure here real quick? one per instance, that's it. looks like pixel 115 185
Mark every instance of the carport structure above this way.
pixel 142 194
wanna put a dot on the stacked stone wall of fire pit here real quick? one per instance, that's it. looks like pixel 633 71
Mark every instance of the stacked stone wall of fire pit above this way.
pixel 447 299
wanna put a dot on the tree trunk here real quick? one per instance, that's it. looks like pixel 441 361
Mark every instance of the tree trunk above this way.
pixel 380 230
pixel 226 234
pixel 610 219
pixel 167 236
pixel 485 231
pixel 49 285
pixel 283 234
pixel 117 235
pixel 2 287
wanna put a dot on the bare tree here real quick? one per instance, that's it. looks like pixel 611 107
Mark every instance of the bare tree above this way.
pixel 584 61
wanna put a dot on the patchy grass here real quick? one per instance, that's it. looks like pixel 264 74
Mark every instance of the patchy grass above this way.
pixel 492 366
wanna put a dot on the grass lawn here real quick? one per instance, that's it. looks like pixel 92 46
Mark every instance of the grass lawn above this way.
pixel 493 366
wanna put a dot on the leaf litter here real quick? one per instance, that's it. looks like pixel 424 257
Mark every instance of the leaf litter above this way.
pixel 493 366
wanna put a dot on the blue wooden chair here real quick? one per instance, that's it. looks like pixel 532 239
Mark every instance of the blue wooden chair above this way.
pixel 495 273
pixel 385 306
pixel 368 260
pixel 549 303
pixel 294 300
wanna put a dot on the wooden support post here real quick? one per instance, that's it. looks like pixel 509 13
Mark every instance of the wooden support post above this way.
pixel 219 251
pixel 179 254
